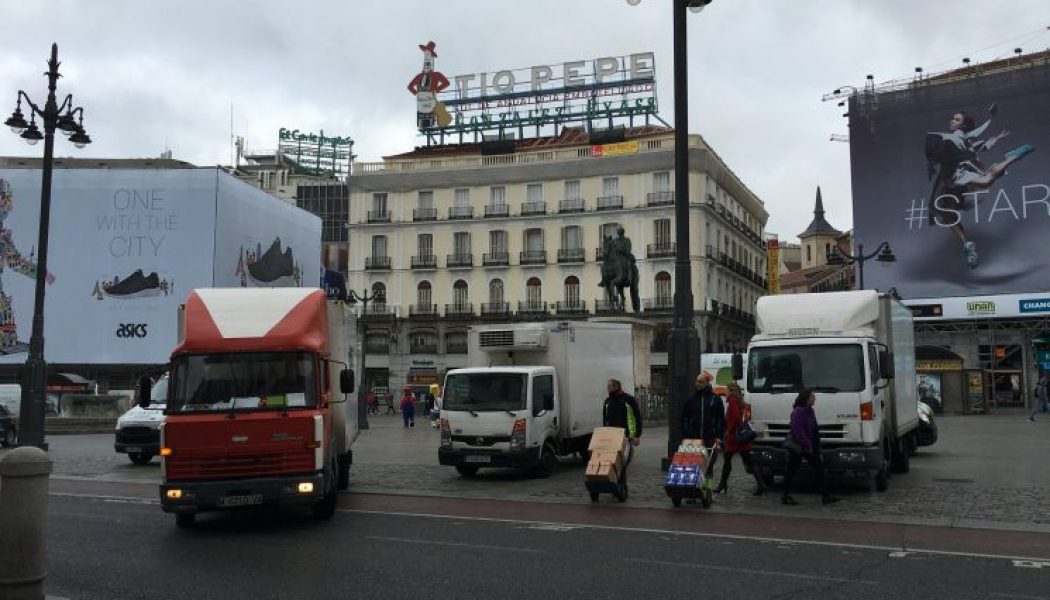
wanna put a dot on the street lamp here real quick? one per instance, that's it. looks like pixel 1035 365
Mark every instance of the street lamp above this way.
pixel 354 297
pixel 882 255
pixel 684 355
pixel 70 121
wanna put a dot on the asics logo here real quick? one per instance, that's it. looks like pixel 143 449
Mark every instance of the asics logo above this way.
pixel 131 330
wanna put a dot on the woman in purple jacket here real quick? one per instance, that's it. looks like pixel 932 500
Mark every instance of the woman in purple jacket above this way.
pixel 804 441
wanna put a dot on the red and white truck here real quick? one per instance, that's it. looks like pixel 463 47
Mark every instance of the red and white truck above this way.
pixel 260 407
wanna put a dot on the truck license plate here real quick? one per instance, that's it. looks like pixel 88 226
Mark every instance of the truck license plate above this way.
pixel 477 459
pixel 133 449
pixel 248 500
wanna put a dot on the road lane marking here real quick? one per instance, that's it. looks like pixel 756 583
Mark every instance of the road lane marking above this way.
pixel 105 498
pixel 1019 596
pixel 1032 564
pixel 720 536
pixel 452 544
pixel 750 571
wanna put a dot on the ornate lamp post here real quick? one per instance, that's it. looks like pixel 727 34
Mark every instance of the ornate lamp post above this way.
pixel 684 356
pixel 70 121
pixel 883 255
pixel 364 298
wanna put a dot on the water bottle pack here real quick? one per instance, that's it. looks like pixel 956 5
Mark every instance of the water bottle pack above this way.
pixel 684 476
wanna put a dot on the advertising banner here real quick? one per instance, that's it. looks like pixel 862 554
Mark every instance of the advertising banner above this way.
pixel 773 264
pixel 126 246
pixel 955 175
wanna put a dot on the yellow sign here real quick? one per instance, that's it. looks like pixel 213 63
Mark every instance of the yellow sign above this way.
pixel 938 365
pixel 773 264
pixel 616 149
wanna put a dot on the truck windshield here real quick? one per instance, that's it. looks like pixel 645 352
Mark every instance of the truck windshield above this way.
pixel 242 381
pixel 159 394
pixel 485 391
pixel 826 367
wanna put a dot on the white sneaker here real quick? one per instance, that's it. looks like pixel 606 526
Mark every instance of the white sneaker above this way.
pixel 970 252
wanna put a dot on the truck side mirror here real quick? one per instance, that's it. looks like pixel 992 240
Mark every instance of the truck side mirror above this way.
pixel 145 387
pixel 738 366
pixel 886 370
pixel 346 381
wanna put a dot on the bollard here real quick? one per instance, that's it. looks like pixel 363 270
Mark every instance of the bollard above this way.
pixel 24 474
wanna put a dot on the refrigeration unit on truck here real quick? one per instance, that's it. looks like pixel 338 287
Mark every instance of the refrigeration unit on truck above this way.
pixel 537 395
pixel 856 351
pixel 258 406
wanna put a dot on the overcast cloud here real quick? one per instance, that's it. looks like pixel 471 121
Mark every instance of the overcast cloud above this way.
pixel 152 75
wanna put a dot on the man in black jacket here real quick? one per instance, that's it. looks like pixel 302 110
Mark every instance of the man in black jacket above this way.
pixel 621 410
pixel 704 417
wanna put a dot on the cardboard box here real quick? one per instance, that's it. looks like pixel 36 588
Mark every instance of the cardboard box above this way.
pixel 605 466
pixel 608 438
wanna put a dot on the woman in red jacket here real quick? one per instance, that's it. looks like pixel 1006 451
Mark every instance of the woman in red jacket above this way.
pixel 734 418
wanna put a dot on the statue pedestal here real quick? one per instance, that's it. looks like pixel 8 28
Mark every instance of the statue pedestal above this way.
pixel 642 336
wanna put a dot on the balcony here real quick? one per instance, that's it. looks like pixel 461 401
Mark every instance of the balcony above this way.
pixel 533 208
pixel 658 304
pixel 461 212
pixel 660 250
pixel 425 348
pixel 497 210
pixel 462 310
pixel 495 259
pixel 377 263
pixel 456 348
pixel 374 310
pixel 423 311
pixel 610 202
pixel 571 205
pixel 532 309
pixel 425 261
pixel 377 347
pixel 664 198
pixel 495 309
pixel 454 261
pixel 575 307
pixel 378 216
pixel 533 257
pixel 571 255
pixel 424 214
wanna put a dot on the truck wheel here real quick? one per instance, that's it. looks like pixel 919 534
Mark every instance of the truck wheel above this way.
pixel 467 470
pixel 140 458
pixel 901 457
pixel 344 472
pixel 185 520
pixel 548 462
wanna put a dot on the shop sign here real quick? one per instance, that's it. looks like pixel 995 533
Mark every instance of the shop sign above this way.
pixel 938 365
pixel 773 263
pixel 617 149
pixel 422 362
pixel 1034 305
pixel 981 307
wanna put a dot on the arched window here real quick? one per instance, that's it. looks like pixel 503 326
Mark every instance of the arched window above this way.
pixel 459 293
pixel 533 291
pixel 663 287
pixel 424 295
pixel 572 291
pixel 496 292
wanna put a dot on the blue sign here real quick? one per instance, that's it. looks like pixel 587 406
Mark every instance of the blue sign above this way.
pixel 1034 305
pixel 334 284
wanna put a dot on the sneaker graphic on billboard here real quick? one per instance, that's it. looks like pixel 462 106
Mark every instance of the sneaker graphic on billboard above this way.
pixel 274 268
pixel 135 285
pixel 970 252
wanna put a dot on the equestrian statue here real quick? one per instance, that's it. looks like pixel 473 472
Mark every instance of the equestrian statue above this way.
pixel 619 271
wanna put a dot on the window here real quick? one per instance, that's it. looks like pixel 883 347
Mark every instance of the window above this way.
pixel 610 186
pixel 425 244
pixel 571 238
pixel 423 341
pixel 573 190
pixel 424 295
pixel 662 232
pixel 809 253
pixel 455 342
pixel 534 193
pixel 462 198
pixel 785 369
pixel 426 200
pixel 496 292
pixel 379 203
pixel 533 291
pixel 662 181
pixel 572 290
pixel 542 393
pixel 459 293
pixel 873 360
pixel 497 195
pixel 607 230
pixel 378 246
pixel 461 243
pixel 533 240
pixel 663 287
pixel 498 242
pixel 379 291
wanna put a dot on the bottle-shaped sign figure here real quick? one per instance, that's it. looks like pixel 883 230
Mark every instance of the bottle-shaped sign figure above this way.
pixel 426 85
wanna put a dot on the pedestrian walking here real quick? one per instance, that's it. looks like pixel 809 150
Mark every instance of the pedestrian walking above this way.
pixel 621 410
pixel 372 402
pixel 1041 401
pixel 435 405
pixel 804 441
pixel 735 418
pixel 408 408
pixel 704 418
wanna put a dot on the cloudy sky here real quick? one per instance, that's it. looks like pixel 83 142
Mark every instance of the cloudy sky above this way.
pixel 156 75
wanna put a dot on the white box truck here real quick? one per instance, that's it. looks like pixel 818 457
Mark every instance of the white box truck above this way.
pixel 856 351
pixel 537 393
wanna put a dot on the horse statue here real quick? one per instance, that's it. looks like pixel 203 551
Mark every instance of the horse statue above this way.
pixel 619 271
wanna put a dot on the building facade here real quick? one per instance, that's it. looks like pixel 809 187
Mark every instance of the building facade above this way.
pixel 452 235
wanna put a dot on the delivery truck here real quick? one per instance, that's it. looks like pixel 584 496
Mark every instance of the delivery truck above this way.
pixel 856 351
pixel 536 393
pixel 259 405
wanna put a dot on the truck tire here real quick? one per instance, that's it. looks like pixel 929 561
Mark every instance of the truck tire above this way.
pixel 344 472
pixel 548 462
pixel 140 458
pixel 901 457
pixel 185 520
pixel 325 508
pixel 467 470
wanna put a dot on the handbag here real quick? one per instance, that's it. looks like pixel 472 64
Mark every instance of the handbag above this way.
pixel 745 434
pixel 792 446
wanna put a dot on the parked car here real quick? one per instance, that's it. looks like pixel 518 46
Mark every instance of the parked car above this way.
pixel 926 434
pixel 8 430
pixel 138 430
